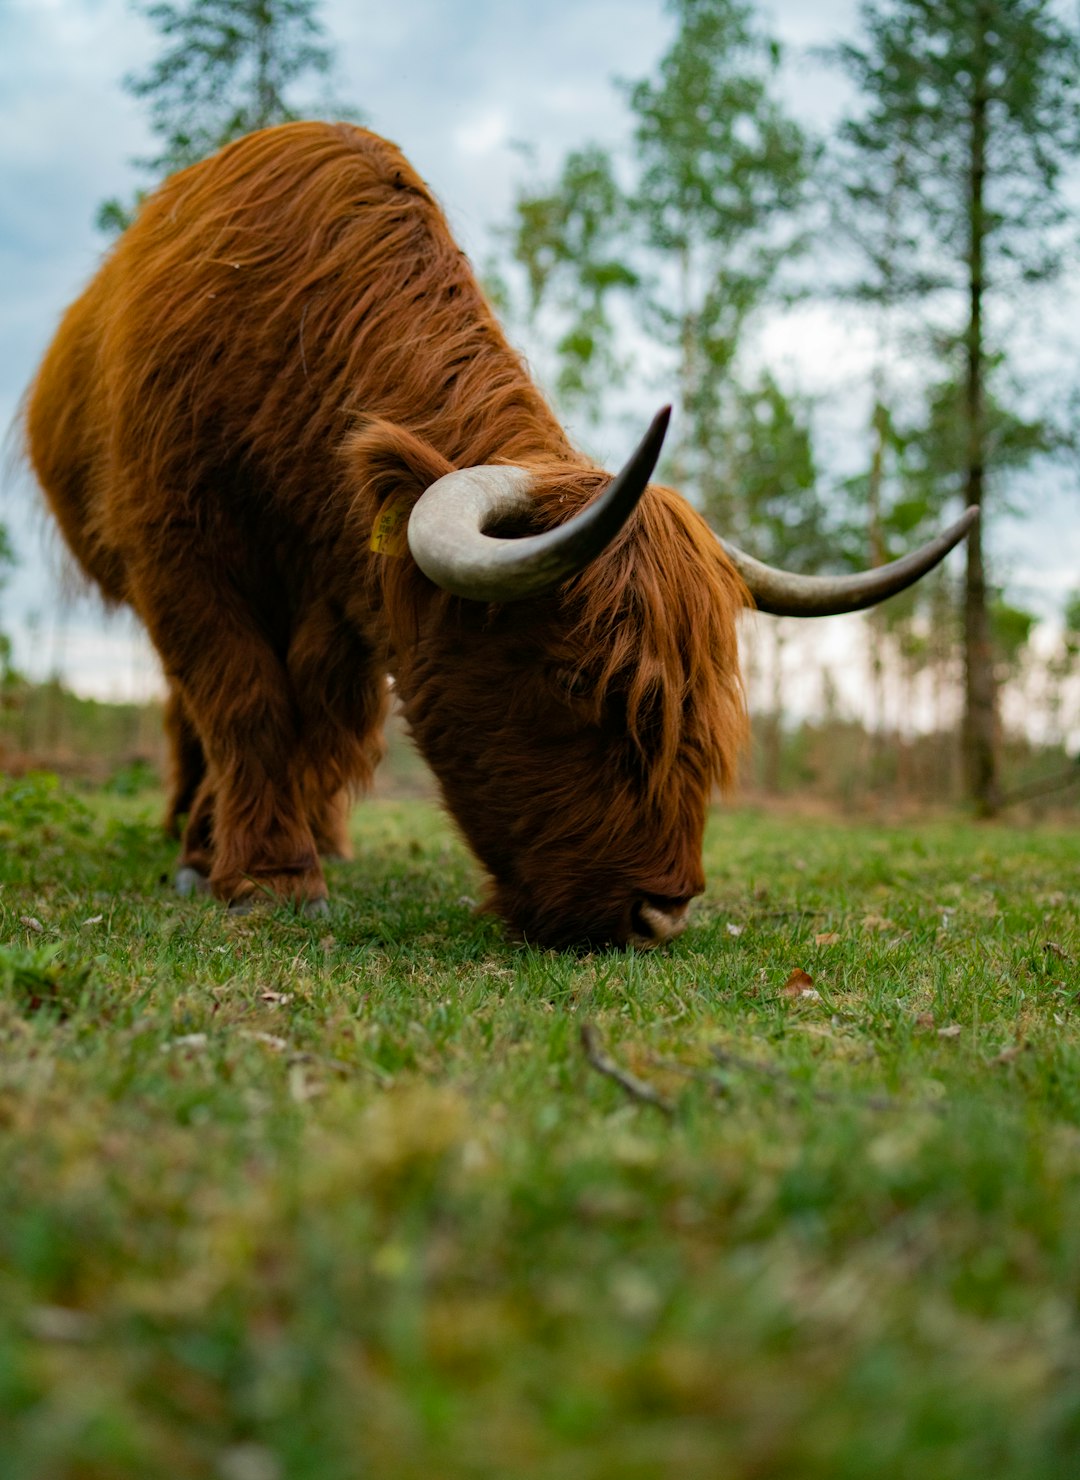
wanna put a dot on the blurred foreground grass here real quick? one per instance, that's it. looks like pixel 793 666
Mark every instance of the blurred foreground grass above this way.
pixel 313 1201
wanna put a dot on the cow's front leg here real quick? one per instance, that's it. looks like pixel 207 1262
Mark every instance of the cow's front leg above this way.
pixel 341 692
pixel 263 844
pixel 248 821
pixel 187 762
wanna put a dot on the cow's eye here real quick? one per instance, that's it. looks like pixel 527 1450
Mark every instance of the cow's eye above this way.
pixel 575 683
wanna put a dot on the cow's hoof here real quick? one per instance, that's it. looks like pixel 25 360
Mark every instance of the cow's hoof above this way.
pixel 241 906
pixel 316 909
pixel 190 881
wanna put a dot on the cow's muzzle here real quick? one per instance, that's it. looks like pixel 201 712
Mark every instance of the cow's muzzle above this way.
pixel 655 920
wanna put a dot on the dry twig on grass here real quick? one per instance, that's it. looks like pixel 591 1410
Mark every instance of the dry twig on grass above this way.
pixel 602 1062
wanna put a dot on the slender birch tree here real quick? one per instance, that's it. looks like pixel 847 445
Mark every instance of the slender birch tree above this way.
pixel 685 232
pixel 980 99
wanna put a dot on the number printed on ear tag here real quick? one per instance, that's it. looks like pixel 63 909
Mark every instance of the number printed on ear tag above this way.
pixel 389 535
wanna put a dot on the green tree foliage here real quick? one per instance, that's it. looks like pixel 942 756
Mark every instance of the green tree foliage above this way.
pixel 571 239
pixel 720 171
pixel 783 517
pixel 1012 628
pixel 932 453
pixel 227 67
pixel 969 116
pixel 687 231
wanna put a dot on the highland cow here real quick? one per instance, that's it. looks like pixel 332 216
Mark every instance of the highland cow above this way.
pixel 283 425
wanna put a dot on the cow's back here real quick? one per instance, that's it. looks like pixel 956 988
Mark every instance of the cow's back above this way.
pixel 66 440
pixel 262 303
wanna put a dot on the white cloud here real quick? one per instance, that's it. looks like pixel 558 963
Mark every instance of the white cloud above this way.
pixel 484 133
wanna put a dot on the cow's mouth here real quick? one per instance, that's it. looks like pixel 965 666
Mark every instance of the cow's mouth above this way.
pixel 655 920
pixel 645 922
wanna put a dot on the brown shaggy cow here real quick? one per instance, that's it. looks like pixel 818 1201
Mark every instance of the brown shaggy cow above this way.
pixel 232 427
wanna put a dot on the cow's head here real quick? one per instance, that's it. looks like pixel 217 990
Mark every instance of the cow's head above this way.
pixel 580 700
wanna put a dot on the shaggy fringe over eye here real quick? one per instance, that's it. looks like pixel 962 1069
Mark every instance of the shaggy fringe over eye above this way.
pixel 654 622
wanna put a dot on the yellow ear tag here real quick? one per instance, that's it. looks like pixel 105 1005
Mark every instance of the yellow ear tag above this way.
pixel 388 536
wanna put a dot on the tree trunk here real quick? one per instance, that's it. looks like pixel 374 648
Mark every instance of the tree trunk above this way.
pixel 980 730
pixel 874 621
pixel 980 716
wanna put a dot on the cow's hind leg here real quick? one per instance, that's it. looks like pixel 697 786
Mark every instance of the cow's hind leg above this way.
pixel 248 820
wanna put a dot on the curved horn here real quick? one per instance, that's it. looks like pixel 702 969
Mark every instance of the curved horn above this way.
pixel 783 594
pixel 447 524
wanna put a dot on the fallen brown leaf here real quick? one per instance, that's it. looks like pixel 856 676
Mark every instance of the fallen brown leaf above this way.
pixel 797 983
pixel 827 938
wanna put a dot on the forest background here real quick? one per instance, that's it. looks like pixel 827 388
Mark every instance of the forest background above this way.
pixel 850 261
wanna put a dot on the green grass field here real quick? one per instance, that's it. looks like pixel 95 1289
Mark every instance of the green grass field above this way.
pixel 284 1200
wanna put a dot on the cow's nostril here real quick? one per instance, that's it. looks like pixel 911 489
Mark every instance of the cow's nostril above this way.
pixel 656 919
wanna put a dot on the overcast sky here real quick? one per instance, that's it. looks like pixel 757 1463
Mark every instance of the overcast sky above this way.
pixel 455 82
